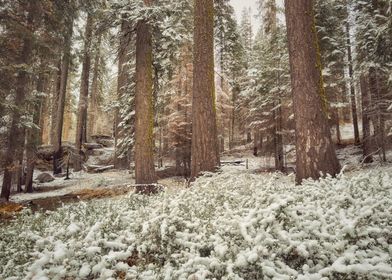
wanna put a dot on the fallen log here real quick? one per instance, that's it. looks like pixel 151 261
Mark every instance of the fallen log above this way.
pixel 98 168
pixel 92 146
pixel 234 162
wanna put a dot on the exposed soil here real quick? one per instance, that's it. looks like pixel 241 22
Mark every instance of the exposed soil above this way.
pixel 9 209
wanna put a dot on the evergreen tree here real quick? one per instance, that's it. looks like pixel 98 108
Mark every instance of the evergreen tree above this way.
pixel 315 152
pixel 205 148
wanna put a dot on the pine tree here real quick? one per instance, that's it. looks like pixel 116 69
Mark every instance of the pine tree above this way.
pixel 373 43
pixel 315 152
pixel 205 147
pixel 16 133
pixel 81 136
pixel 144 114
pixel 62 89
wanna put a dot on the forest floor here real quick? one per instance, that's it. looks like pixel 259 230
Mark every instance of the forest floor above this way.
pixel 86 186
pixel 239 223
pixel 234 224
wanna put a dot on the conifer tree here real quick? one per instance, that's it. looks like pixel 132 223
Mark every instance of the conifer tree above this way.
pixel 144 114
pixel 205 147
pixel 315 153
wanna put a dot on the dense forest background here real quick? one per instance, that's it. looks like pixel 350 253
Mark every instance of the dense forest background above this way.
pixel 179 139
pixel 70 75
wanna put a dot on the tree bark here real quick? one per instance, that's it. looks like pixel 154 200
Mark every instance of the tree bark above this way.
pixel 144 107
pixel 57 156
pixel 55 100
pixel 93 106
pixel 83 97
pixel 315 152
pixel 366 103
pixel 205 146
pixel 16 133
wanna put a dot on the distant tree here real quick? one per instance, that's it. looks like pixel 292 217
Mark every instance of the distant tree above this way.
pixel 59 102
pixel 246 33
pixel 373 47
pixel 81 126
pixel 230 64
pixel 315 152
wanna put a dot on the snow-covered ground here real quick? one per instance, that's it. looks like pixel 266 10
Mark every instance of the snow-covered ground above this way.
pixel 231 225
pixel 78 181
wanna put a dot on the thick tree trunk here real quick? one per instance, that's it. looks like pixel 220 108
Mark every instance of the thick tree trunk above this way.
pixel 33 134
pixel 352 89
pixel 61 99
pixel 83 97
pixel 16 133
pixel 366 103
pixel 144 107
pixel 205 146
pixel 315 151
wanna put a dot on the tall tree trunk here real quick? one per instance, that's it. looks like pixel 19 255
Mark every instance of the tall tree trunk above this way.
pixel 315 151
pixel 144 107
pixel 57 156
pixel 233 117
pixel 93 106
pixel 33 134
pixel 55 100
pixel 352 89
pixel 83 97
pixel 19 158
pixel 278 138
pixel 366 103
pixel 205 146
pixel 45 111
pixel 68 113
pixel 336 118
pixel 120 161
pixel 16 133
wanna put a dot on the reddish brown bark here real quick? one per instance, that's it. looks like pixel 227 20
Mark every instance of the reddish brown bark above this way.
pixel 93 101
pixel 315 152
pixel 144 108
pixel 205 146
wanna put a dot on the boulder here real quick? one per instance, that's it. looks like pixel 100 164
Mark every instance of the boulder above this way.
pixel 44 178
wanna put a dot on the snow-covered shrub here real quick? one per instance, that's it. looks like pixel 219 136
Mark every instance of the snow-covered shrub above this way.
pixel 227 226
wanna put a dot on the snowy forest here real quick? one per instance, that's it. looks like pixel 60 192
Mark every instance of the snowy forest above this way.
pixel 196 139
